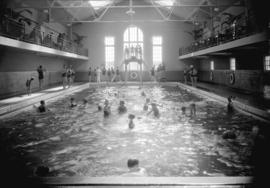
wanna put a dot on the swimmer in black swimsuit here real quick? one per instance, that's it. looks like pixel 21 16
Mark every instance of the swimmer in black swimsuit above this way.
pixel 106 109
pixel 155 110
pixel 122 108
pixel 131 124
pixel 145 107
pixel 72 103
pixel 41 108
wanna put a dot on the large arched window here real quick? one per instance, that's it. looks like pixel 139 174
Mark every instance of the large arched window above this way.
pixel 133 36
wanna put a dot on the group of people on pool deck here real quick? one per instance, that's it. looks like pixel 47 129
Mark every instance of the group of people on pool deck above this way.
pixel 110 75
pixel 192 73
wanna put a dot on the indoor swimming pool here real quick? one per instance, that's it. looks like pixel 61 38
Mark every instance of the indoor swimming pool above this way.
pixel 81 141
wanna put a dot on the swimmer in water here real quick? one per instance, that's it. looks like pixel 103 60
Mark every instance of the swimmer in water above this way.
pixel 42 107
pixel 122 108
pixel 84 103
pixel 155 110
pixel 230 134
pixel 143 94
pixel 131 124
pixel 145 106
pixel 134 169
pixel 183 110
pixel 72 103
pixel 107 108
pixel 192 109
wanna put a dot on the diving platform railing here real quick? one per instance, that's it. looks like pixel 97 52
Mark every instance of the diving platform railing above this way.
pixel 41 39
pixel 213 45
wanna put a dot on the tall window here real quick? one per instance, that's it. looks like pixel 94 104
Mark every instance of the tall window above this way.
pixel 133 36
pixel 109 52
pixel 212 65
pixel 232 64
pixel 157 50
pixel 267 63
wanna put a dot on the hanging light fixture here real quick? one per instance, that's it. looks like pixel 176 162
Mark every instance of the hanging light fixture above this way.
pixel 130 12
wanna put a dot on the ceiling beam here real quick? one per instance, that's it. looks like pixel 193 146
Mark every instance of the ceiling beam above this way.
pixel 159 11
pixel 134 6
pixel 122 21
pixel 104 12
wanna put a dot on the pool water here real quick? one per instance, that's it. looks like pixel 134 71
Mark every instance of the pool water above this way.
pixel 81 141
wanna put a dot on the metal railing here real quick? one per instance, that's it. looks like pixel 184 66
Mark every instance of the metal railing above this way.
pixel 228 36
pixel 38 34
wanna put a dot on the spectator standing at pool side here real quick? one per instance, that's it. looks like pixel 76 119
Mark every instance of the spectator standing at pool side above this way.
pixel 185 75
pixel 113 73
pixel 40 71
pixel 153 74
pixel 69 76
pixel 64 76
pixel 72 74
pixel 108 75
pixel 98 74
pixel 95 75
pixel 118 78
pixel 193 75
pixel 103 73
pixel 28 85
pixel 89 74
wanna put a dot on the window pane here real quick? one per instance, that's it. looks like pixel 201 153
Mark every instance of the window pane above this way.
pixel 126 35
pixel 140 35
pixel 232 64
pixel 212 66
pixel 133 34
pixel 109 40
pixel 109 54
pixel 267 63
pixel 157 54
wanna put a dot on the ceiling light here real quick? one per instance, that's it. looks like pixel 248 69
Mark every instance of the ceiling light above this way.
pixel 99 4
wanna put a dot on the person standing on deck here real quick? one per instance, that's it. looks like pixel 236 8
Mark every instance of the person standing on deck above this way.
pixel 153 74
pixel 40 71
pixel 98 74
pixel 69 76
pixel 104 73
pixel 64 76
pixel 89 74
pixel 193 75
pixel 185 75
pixel 109 75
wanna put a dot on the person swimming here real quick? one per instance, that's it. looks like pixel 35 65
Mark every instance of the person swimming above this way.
pixel 192 109
pixel 72 103
pixel 145 107
pixel 122 108
pixel 131 124
pixel 42 107
pixel 107 108
pixel 230 134
pixel 154 110
pixel 183 109
pixel 134 169
pixel 143 94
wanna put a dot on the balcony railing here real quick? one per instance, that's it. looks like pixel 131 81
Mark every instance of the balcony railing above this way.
pixel 229 35
pixel 39 34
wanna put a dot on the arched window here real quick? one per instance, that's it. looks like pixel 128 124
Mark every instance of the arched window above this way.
pixel 133 36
